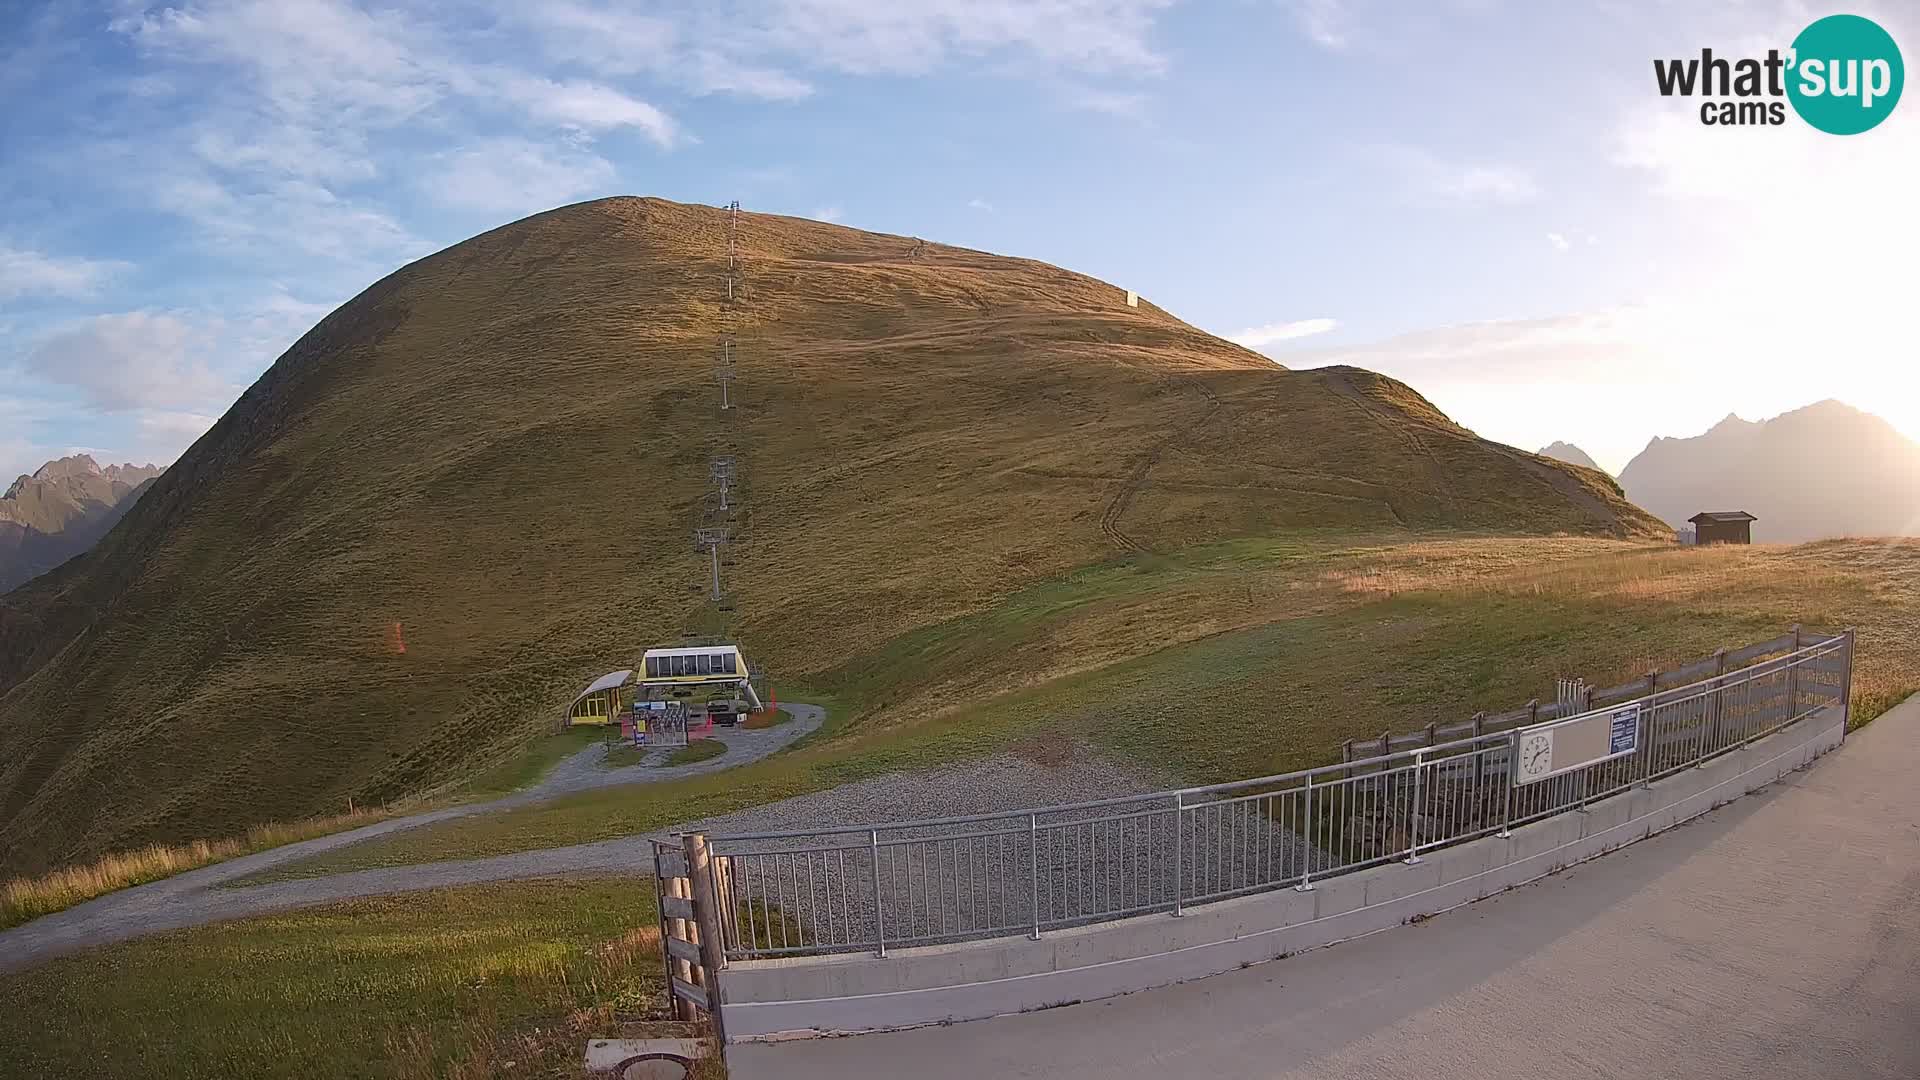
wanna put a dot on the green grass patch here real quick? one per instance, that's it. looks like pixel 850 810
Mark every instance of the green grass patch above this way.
pixel 696 751
pixel 456 982
pixel 622 754
pixel 527 767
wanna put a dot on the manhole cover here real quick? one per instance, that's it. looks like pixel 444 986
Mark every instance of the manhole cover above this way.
pixel 653 1068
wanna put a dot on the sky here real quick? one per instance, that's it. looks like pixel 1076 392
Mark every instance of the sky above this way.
pixel 1488 200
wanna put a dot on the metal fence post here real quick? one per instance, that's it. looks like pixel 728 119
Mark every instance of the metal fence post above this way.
pixel 1413 810
pixel 1793 677
pixel 1033 871
pixel 1513 775
pixel 1306 856
pixel 1846 688
pixel 1179 852
pixel 879 917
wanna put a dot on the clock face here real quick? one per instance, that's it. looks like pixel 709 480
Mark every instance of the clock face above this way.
pixel 1536 754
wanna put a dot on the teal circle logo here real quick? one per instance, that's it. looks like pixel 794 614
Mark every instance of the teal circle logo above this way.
pixel 1845 74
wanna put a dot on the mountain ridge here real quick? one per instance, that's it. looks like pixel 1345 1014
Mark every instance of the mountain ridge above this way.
pixel 1823 470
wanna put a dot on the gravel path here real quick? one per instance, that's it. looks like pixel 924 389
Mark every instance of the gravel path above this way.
pixel 191 899
pixel 582 771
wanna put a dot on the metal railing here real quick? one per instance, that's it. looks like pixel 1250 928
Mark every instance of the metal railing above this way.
pixel 999 875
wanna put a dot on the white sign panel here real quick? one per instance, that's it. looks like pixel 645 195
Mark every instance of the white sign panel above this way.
pixel 1562 746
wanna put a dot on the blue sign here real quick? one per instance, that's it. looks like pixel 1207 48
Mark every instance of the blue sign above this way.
pixel 1623 736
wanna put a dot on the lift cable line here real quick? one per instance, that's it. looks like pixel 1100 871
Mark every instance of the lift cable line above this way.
pixel 724 371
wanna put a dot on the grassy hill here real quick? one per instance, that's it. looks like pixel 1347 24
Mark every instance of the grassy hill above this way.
pixel 472 488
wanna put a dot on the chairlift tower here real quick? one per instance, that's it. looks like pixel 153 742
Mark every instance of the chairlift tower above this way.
pixel 721 472
pixel 712 538
pixel 733 221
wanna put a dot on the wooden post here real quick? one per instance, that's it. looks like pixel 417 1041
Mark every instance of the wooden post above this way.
pixel 682 1009
pixel 706 917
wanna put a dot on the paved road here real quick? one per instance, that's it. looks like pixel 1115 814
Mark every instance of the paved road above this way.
pixel 192 898
pixel 1778 936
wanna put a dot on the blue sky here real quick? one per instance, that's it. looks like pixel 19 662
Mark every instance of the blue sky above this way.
pixel 1486 199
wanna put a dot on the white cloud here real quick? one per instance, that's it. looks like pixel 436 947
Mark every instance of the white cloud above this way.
pixel 139 359
pixel 980 204
pixel 1326 22
pixel 831 214
pixel 274 216
pixel 588 107
pixel 1558 241
pixel 1493 183
pixel 517 176
pixel 1430 177
pixel 762 48
pixel 1259 337
pixel 1125 104
pixel 30 273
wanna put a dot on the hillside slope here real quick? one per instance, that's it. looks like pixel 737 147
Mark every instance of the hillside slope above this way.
pixel 472 487
pixel 61 510
pixel 1827 470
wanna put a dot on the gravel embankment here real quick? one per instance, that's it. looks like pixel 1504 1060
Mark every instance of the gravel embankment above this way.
pixel 945 882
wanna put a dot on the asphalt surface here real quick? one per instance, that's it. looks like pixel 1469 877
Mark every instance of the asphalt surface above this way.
pixel 193 898
pixel 1778 936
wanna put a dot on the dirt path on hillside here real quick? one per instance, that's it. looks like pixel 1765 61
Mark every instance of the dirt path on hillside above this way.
pixel 192 898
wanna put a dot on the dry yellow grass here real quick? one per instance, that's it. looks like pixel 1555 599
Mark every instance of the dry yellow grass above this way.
pixel 496 455
pixel 27 898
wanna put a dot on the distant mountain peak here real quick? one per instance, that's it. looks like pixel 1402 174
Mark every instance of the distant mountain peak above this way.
pixel 1569 453
pixel 61 510
pixel 1825 469
pixel 71 465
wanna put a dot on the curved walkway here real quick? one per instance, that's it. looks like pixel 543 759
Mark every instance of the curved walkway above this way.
pixel 1776 936
pixel 191 899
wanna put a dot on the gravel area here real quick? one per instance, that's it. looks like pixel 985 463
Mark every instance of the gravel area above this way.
pixel 949 882
pixel 982 786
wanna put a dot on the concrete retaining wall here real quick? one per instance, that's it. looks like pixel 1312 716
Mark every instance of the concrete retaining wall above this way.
pixel 803 996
